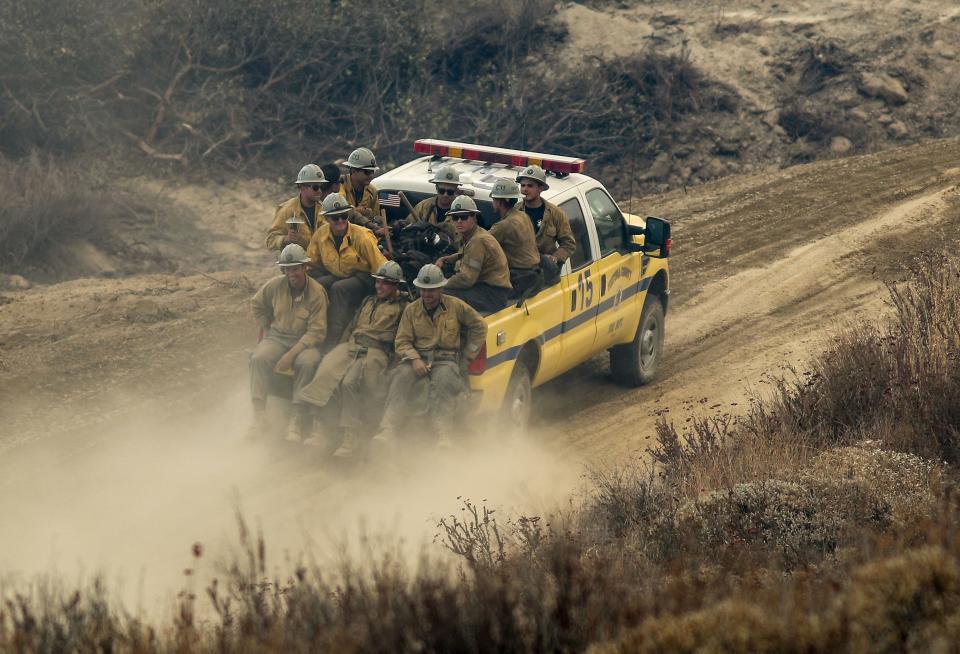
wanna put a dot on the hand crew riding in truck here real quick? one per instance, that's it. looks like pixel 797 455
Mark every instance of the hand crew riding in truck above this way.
pixel 609 292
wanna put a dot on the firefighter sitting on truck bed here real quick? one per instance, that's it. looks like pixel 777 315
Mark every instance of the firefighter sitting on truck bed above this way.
pixel 434 210
pixel 355 370
pixel 359 192
pixel 282 232
pixel 515 235
pixel 342 256
pixel 292 310
pixel 481 276
pixel 437 337
pixel 554 236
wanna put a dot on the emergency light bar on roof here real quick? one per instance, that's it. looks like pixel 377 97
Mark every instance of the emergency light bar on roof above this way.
pixel 553 163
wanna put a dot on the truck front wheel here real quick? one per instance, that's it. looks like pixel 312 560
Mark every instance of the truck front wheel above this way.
pixel 635 363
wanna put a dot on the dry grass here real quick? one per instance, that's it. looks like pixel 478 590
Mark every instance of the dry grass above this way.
pixel 44 202
pixel 780 530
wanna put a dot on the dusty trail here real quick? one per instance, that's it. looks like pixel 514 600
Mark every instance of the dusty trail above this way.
pixel 123 400
pixel 725 336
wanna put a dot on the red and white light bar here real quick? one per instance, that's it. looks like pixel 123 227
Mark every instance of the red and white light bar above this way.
pixel 553 163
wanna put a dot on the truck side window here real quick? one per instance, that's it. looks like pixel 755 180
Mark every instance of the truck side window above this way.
pixel 611 227
pixel 575 214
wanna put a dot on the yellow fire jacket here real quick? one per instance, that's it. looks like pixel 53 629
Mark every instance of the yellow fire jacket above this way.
pixel 369 205
pixel 455 330
pixel 302 316
pixel 375 323
pixel 426 211
pixel 554 236
pixel 279 227
pixel 481 259
pixel 515 235
pixel 358 251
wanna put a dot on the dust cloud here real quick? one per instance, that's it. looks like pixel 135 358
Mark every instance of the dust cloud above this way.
pixel 128 504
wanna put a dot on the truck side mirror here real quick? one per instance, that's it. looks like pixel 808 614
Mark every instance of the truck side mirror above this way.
pixel 656 238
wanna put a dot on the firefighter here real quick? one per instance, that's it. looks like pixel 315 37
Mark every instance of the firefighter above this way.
pixel 342 256
pixel 334 180
pixel 434 210
pixel 309 183
pixel 355 369
pixel 481 277
pixel 554 236
pixel 292 311
pixel 515 235
pixel 359 192
pixel 437 337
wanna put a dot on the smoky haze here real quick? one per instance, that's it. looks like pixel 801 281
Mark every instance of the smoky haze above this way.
pixel 129 504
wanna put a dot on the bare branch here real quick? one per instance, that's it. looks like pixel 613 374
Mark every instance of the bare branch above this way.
pixel 152 152
pixel 105 84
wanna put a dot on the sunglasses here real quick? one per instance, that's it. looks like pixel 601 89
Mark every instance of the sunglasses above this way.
pixel 315 187
pixel 335 219
pixel 446 191
pixel 461 216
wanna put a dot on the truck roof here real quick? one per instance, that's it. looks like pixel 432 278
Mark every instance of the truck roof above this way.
pixel 476 176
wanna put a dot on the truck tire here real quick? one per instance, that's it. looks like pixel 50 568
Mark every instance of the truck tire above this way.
pixel 518 401
pixel 635 363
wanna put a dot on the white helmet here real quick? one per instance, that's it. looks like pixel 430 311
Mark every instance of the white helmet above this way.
pixel 505 189
pixel 293 255
pixel 446 175
pixel 390 271
pixel 536 173
pixel 334 204
pixel 430 276
pixel 310 174
pixel 463 204
pixel 362 158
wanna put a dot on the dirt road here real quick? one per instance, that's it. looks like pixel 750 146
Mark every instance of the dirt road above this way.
pixel 765 268
pixel 123 400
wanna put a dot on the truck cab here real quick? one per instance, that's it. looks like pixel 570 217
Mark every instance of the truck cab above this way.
pixel 612 295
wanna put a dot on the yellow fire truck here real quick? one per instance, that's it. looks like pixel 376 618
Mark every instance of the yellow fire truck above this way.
pixel 612 295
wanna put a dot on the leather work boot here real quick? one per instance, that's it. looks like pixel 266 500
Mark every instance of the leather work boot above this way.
pixel 384 443
pixel 299 424
pixel 318 437
pixel 349 446
pixel 258 425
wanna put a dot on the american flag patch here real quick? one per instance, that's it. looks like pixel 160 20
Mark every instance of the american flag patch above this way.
pixel 389 199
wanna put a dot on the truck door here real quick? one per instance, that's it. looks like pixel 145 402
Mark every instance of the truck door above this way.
pixel 581 292
pixel 618 273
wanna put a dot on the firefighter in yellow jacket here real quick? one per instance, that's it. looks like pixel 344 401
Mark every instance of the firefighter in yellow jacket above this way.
pixel 355 370
pixel 437 337
pixel 434 210
pixel 515 235
pixel 292 311
pixel 554 236
pixel 359 192
pixel 284 231
pixel 342 257
pixel 481 277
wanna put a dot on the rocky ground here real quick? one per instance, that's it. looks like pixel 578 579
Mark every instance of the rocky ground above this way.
pixel 807 80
